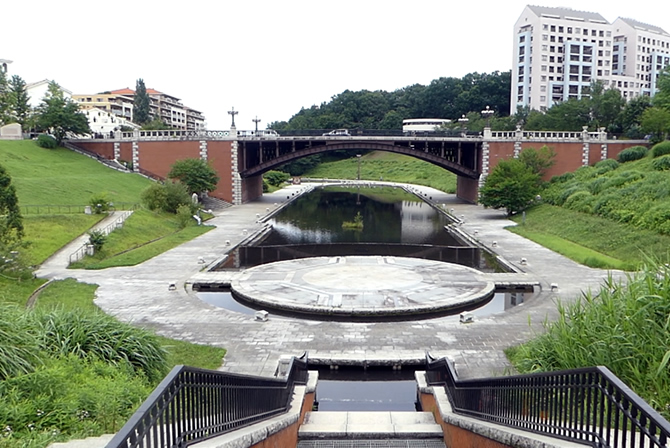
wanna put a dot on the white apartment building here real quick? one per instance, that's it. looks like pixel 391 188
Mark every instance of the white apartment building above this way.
pixel 105 122
pixel 558 52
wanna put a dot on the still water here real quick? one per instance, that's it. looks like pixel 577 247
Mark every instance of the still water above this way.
pixel 394 223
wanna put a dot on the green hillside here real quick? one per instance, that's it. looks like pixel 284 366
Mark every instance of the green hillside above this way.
pixel 390 167
pixel 63 177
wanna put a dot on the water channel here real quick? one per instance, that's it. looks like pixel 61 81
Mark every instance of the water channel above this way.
pixel 395 223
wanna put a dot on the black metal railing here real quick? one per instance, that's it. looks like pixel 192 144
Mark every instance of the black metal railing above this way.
pixel 191 405
pixel 590 405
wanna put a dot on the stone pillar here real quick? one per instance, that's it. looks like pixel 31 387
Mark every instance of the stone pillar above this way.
pixel 117 150
pixel 485 164
pixel 517 142
pixel 203 150
pixel 136 156
pixel 586 146
pixel 235 174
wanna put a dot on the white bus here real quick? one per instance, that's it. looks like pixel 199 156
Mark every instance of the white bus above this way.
pixel 414 125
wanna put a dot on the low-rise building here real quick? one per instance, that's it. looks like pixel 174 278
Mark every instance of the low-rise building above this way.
pixel 105 123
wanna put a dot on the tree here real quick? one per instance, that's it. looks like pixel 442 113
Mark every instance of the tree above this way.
pixel 512 185
pixel 538 160
pixel 141 110
pixel 196 174
pixel 662 97
pixel 656 121
pixel 60 115
pixel 11 221
pixel 18 100
pixel 155 125
pixel 4 99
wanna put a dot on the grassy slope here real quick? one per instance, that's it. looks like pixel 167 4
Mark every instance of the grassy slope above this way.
pixel 60 176
pixel 388 166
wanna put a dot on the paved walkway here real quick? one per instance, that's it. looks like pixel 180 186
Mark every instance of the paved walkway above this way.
pixel 140 295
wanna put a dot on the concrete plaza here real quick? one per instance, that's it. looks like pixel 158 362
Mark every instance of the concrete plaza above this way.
pixel 140 295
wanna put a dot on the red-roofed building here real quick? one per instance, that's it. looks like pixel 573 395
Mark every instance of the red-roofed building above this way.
pixel 167 107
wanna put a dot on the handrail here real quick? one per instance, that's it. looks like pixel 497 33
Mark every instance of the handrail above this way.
pixel 589 405
pixel 191 405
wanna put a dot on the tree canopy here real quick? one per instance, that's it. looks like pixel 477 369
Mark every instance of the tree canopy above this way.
pixel 512 185
pixel 11 221
pixel 60 115
pixel 196 174
pixel 141 109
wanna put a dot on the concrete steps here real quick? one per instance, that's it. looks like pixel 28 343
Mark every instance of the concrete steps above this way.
pixel 389 443
pixel 369 426
pixel 89 442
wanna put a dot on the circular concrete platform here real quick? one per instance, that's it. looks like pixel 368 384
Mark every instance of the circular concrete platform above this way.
pixel 355 286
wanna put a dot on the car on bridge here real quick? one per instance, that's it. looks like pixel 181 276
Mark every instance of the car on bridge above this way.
pixel 337 133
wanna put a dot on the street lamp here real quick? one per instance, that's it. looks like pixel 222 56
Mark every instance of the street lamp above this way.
pixel 258 120
pixel 233 112
pixel 463 121
pixel 358 156
pixel 486 113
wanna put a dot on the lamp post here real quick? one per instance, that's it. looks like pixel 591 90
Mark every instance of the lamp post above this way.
pixel 258 120
pixel 358 177
pixel 463 121
pixel 486 113
pixel 232 113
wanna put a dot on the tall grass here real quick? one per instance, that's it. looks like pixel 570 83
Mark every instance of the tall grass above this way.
pixel 19 343
pixel 623 326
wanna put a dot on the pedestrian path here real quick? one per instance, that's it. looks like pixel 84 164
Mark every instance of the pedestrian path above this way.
pixel 142 295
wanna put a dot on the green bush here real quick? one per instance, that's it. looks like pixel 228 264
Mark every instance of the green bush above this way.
pixel 184 216
pixel 99 203
pixel 622 178
pixel 580 201
pixel 656 218
pixel 662 163
pixel 565 194
pixel 606 165
pixel 596 185
pixel 632 153
pixel 661 149
pixel 19 346
pixel 166 197
pixel 98 336
pixel 276 178
pixel 46 141
pixel 562 178
pixel 97 239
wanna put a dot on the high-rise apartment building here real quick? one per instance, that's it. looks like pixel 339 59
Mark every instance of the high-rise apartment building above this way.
pixel 558 52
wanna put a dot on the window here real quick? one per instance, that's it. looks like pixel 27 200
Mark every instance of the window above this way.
pixel 569 30
pixel 543 68
pixel 560 29
pixel 553 28
pixel 601 33
pixel 522 39
pixel 552 49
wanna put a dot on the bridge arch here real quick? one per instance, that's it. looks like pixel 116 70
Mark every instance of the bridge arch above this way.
pixel 458 157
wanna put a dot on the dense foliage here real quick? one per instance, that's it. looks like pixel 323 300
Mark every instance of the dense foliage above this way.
pixel 624 327
pixel 196 174
pixel 512 185
pixel 167 196
pixel 60 115
pixel 141 110
pixel 442 98
pixel 11 221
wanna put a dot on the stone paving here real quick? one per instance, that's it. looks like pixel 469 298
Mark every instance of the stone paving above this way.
pixel 141 295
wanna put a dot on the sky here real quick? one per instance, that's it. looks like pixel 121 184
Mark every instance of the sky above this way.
pixel 267 59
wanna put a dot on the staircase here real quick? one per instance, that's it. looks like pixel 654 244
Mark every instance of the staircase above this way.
pixel 214 204
pixel 370 430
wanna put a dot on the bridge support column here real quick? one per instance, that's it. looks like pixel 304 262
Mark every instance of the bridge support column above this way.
pixel 235 174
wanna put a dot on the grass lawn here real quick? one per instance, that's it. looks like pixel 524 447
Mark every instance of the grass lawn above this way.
pixel 590 239
pixel 60 176
pixel 144 235
pixel 390 167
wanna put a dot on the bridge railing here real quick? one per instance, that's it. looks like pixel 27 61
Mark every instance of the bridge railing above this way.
pixel 191 405
pixel 589 405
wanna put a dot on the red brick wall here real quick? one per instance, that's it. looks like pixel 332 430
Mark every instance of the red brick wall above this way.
pixel 104 149
pixel 158 157
pixel 126 151
pixel 219 155
pixel 499 151
pixel 467 189
pixel 252 188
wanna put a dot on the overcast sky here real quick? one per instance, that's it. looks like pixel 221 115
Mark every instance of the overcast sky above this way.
pixel 269 58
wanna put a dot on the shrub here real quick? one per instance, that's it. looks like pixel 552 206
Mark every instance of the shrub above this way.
pixel 565 194
pixel 662 163
pixel 97 239
pixel 656 218
pixel 596 185
pixel 19 348
pixel 562 178
pixel 622 178
pixel 184 216
pixel 276 178
pixel 266 187
pixel 661 149
pixel 632 153
pixel 99 203
pixel 606 165
pixel 46 141
pixel 580 201
pixel 166 197
pixel 98 336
